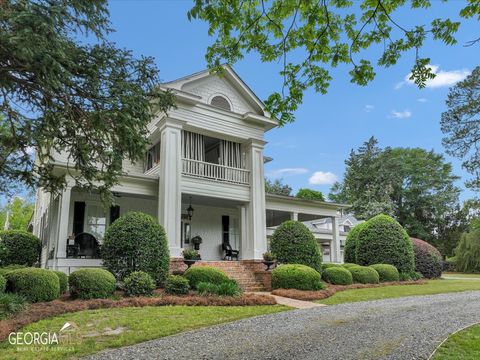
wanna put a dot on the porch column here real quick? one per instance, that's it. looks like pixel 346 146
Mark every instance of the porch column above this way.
pixel 256 239
pixel 336 257
pixel 244 234
pixel 63 217
pixel 169 191
pixel 294 216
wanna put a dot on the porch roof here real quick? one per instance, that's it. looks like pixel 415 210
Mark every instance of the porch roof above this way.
pixel 304 203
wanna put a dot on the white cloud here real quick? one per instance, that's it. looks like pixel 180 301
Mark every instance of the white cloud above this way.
pixel 287 172
pixel 322 178
pixel 442 79
pixel 400 114
pixel 369 108
pixel 422 100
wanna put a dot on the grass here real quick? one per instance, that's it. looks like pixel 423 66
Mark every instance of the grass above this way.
pixel 460 275
pixel 430 288
pixel 463 345
pixel 95 330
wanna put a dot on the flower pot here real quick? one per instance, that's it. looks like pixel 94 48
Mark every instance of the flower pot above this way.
pixel 268 264
pixel 189 262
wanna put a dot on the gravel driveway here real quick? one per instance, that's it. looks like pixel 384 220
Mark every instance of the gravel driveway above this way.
pixel 403 328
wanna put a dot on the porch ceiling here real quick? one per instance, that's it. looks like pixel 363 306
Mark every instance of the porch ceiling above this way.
pixel 211 201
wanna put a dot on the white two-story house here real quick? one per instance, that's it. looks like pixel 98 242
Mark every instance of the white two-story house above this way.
pixel 202 176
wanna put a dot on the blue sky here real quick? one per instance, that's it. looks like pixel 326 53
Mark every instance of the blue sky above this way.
pixel 311 151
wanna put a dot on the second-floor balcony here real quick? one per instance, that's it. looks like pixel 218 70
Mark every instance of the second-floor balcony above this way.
pixel 217 172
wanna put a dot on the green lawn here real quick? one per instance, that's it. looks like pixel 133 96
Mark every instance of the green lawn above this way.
pixel 96 330
pixel 463 345
pixel 430 288
pixel 461 275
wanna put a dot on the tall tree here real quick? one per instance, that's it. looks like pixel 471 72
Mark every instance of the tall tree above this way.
pixel 414 185
pixel 309 194
pixel 461 125
pixel 277 187
pixel 65 88
pixel 19 212
pixel 309 37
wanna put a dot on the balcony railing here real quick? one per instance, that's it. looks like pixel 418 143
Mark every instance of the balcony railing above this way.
pixel 216 172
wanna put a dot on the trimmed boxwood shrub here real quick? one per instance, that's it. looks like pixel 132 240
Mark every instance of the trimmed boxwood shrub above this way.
pixel 22 248
pixel 330 265
pixel 177 285
pixel 382 240
pixel 63 279
pixel 136 242
pixel 293 243
pixel 350 250
pixel 7 269
pixel 3 284
pixel 386 272
pixel 364 275
pixel 348 266
pixel 428 260
pixel 91 283
pixel 337 276
pixel 198 274
pixel 139 283
pixel 413 275
pixel 36 285
pixel 296 276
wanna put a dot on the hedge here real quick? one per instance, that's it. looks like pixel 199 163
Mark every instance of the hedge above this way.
pixel 136 242
pixel 337 276
pixel 330 265
pixel 228 288
pixel 350 250
pixel 36 285
pixel 382 240
pixel 293 243
pixel 63 280
pixel 208 274
pixel 7 269
pixel 139 283
pixel 450 264
pixel 3 284
pixel 22 248
pixel 365 275
pixel 296 276
pixel 91 283
pixel 177 285
pixel 386 272
pixel 348 266
pixel 428 260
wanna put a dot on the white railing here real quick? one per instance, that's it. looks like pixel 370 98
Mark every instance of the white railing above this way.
pixel 217 172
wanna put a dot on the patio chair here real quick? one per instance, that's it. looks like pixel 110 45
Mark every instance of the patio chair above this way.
pixel 230 254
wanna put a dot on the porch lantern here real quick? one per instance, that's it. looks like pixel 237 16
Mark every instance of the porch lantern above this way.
pixel 190 210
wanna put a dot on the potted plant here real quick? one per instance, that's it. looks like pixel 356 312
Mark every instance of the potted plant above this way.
pixel 190 256
pixel 269 259
pixel 196 241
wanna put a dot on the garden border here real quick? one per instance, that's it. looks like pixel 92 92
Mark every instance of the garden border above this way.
pixel 448 336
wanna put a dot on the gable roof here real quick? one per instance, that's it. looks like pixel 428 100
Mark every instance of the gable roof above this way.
pixel 231 76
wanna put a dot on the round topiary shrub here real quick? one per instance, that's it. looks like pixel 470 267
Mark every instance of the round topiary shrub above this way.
pixel 365 275
pixel 350 250
pixel 337 276
pixel 348 266
pixel 428 260
pixel 208 274
pixel 296 276
pixel 139 283
pixel 136 242
pixel 177 285
pixel 3 284
pixel 36 285
pixel 22 248
pixel 382 240
pixel 91 283
pixel 63 279
pixel 386 272
pixel 293 243
pixel 330 265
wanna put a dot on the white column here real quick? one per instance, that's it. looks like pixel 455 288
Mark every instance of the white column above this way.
pixel 256 242
pixel 63 217
pixel 294 216
pixel 243 232
pixel 335 241
pixel 169 192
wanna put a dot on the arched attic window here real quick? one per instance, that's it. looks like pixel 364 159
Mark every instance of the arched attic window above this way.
pixel 221 102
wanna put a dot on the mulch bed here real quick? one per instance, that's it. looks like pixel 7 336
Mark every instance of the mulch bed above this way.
pixel 332 289
pixel 40 311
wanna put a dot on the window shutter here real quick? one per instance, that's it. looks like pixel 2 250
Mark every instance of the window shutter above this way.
pixel 78 217
pixel 114 213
